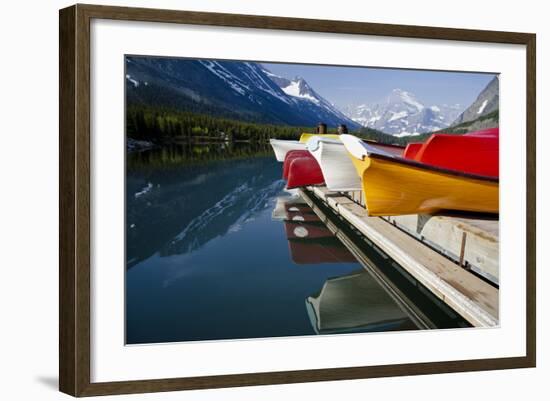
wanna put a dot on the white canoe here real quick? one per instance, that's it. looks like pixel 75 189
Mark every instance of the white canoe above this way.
pixel 336 165
pixel 282 147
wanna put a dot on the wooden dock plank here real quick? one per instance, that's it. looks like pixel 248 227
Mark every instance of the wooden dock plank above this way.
pixel 476 240
pixel 474 299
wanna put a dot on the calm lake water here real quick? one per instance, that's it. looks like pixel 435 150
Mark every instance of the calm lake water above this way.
pixel 217 249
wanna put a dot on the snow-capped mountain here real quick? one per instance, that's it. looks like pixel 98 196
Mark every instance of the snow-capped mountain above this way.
pixel 309 101
pixel 486 102
pixel 402 114
pixel 233 89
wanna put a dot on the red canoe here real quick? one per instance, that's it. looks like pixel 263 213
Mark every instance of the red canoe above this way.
pixel 473 153
pixel 411 150
pixel 304 171
pixel 291 155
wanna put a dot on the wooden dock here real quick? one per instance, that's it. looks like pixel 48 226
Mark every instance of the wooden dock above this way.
pixel 472 297
pixel 471 242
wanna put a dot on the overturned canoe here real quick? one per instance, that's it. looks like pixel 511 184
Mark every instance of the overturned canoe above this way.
pixel 337 168
pixel 306 137
pixel 290 156
pixel 304 171
pixel 395 185
pixel 281 147
pixel 412 150
pixel 474 153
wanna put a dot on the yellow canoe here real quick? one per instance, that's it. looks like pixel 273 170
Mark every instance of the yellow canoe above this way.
pixel 396 186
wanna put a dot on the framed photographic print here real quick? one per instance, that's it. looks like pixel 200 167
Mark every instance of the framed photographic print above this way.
pixel 251 200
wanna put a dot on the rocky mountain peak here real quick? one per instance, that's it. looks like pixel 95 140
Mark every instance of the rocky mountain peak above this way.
pixel 401 113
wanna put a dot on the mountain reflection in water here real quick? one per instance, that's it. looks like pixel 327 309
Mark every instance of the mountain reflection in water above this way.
pixel 186 207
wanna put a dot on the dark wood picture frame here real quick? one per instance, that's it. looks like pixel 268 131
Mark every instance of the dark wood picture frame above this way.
pixel 74 204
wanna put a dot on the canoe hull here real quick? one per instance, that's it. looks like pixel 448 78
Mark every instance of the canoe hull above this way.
pixel 473 153
pixel 306 137
pixel 412 150
pixel 281 148
pixel 290 156
pixel 304 171
pixel 391 188
pixel 336 166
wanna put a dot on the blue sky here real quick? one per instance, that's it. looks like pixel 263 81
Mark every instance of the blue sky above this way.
pixel 355 85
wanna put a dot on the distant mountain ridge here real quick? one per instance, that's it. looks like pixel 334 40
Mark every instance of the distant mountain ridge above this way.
pixel 486 102
pixel 240 90
pixel 401 114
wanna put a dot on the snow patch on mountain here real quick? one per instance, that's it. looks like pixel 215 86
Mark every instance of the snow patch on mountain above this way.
pixel 294 90
pixel 482 107
pixel 486 102
pixel 404 133
pixel 397 116
pixel 254 73
pixel 217 69
pixel 133 81
pixel 270 74
pixel 409 99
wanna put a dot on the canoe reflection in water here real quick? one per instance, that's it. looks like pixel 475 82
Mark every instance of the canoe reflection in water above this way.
pixel 354 303
pixel 326 250
pixel 309 240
